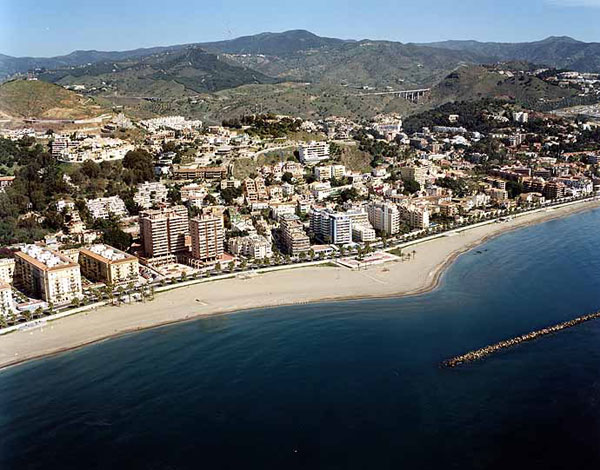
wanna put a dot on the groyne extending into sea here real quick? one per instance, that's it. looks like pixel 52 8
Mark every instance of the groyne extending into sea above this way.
pixel 509 343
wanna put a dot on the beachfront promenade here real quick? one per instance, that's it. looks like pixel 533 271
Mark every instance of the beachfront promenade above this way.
pixel 401 243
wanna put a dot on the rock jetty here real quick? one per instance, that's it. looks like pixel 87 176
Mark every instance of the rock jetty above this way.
pixel 494 348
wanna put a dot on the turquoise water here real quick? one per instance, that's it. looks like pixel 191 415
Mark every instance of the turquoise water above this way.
pixel 347 385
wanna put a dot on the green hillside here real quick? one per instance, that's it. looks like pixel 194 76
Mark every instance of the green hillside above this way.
pixel 167 74
pixel 476 82
pixel 38 99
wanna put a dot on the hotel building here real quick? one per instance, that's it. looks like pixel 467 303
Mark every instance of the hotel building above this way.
pixel 330 226
pixel 102 263
pixel 314 152
pixel 47 275
pixel 208 237
pixel 164 231
pixel 294 239
pixel 384 217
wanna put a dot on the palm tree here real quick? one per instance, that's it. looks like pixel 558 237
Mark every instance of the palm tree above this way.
pixel 28 315
pixel 311 254
pixel 3 322
pixel 130 288
pixel 413 254
pixel 120 292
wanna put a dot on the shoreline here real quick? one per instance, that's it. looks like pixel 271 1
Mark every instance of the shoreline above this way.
pixel 321 284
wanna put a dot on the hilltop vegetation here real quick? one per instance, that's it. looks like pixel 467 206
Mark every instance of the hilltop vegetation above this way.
pixel 35 98
pixel 167 74
pixel 476 82
pixel 561 52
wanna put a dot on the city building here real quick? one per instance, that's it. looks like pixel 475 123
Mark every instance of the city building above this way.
pixel 199 173
pixel 150 194
pixel 417 173
pixel 7 270
pixel 520 117
pixel 7 304
pixel 363 233
pixel 330 226
pixel 6 182
pixel 208 237
pixel 415 216
pixel 314 152
pixel 104 207
pixel 251 246
pixel 327 172
pixel 103 263
pixel 294 239
pixel 384 217
pixel 47 275
pixel 255 190
pixel 164 231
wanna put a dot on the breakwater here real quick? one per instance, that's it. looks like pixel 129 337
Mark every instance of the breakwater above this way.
pixel 509 343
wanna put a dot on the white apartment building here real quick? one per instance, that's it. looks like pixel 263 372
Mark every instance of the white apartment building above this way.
pixel 164 231
pixel 208 237
pixel 251 246
pixel 47 275
pixel 294 239
pixel 314 152
pixel 327 172
pixel 104 207
pixel 415 216
pixel 330 226
pixel 520 117
pixel 150 193
pixel 176 123
pixel 363 233
pixel 385 217
pixel 7 304
pixel 7 270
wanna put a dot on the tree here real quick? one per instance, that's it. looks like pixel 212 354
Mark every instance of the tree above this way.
pixel 140 165
pixel 116 237
pixel 411 186
pixel 90 169
pixel 287 177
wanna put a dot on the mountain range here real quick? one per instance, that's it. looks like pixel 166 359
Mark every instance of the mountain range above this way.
pixel 283 50
pixel 298 69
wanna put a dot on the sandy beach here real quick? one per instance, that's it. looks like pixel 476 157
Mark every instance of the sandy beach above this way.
pixel 292 286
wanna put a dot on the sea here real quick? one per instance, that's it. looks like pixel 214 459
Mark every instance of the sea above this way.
pixel 340 385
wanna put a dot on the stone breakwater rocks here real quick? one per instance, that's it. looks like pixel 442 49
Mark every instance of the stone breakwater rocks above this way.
pixel 494 348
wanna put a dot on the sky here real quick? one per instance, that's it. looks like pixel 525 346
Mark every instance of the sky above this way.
pixel 45 28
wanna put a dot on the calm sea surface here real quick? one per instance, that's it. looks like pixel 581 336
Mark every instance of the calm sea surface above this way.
pixel 347 385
